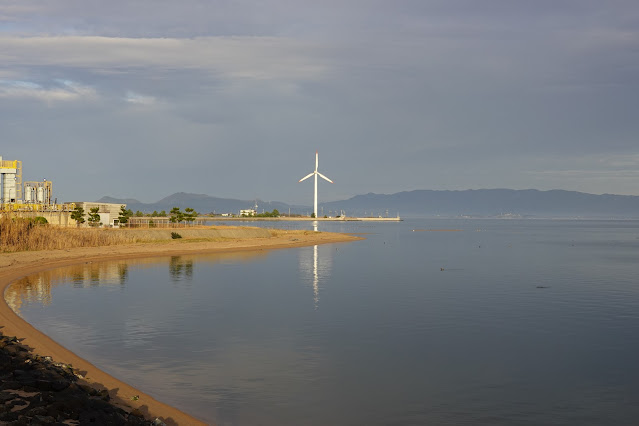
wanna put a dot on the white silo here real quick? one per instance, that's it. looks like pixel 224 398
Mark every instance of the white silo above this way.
pixel 40 195
pixel 38 192
pixel 29 193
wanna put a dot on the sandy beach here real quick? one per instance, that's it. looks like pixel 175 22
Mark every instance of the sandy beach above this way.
pixel 14 266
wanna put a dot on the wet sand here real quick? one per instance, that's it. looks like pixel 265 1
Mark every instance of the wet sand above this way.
pixel 14 266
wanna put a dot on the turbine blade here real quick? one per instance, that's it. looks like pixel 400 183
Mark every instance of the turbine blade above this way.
pixel 324 177
pixel 316 160
pixel 307 176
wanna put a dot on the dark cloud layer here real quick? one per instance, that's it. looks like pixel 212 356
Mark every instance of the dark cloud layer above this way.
pixel 232 98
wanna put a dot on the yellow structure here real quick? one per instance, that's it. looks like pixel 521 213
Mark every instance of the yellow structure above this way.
pixel 10 181
pixel 35 199
pixel 32 200
pixel 22 207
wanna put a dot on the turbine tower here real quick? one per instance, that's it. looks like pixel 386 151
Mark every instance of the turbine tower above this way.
pixel 316 173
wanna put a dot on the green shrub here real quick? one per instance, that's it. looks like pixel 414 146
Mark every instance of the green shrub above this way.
pixel 175 235
pixel 40 220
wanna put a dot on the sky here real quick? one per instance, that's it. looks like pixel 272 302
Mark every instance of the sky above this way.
pixel 142 99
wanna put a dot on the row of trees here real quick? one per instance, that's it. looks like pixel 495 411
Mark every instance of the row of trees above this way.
pixel 93 217
pixel 274 213
pixel 154 214
pixel 163 213
pixel 177 216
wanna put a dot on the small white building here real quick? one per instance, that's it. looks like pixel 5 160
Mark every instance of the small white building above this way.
pixel 248 212
pixel 109 213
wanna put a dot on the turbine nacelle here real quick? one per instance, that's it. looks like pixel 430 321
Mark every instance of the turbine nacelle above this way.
pixel 318 174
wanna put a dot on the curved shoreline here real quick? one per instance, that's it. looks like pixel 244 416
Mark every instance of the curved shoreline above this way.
pixel 14 266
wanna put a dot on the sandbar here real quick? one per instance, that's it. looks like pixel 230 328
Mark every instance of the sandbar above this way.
pixel 14 266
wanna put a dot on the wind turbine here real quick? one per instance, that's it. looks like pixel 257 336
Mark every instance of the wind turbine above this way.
pixel 316 173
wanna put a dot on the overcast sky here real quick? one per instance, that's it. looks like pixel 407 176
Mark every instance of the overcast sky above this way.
pixel 232 98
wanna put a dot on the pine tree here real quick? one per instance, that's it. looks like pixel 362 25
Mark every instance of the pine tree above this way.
pixel 94 216
pixel 176 215
pixel 78 215
pixel 124 215
pixel 190 215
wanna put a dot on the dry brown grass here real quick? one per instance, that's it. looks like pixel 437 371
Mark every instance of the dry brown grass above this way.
pixel 21 234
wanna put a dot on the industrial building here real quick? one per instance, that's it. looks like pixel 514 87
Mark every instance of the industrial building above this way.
pixel 10 181
pixel 38 192
pixel 34 196
pixel 108 212
pixel 35 199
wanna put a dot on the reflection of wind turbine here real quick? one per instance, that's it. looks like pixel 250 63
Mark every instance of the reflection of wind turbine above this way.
pixel 315 272
pixel 315 278
pixel 316 173
pixel 316 267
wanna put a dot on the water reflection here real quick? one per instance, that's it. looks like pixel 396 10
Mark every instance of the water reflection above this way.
pixel 180 267
pixel 37 288
pixel 397 340
pixel 316 267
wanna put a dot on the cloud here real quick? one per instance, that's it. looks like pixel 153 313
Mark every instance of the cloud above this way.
pixel 436 94
pixel 137 99
pixel 595 173
pixel 260 58
pixel 60 91
pixel 621 161
pixel 590 174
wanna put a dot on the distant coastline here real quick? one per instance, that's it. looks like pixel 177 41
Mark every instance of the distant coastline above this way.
pixel 477 203
pixel 303 219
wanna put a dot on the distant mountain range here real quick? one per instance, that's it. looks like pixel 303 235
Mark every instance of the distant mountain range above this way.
pixel 423 203
pixel 200 202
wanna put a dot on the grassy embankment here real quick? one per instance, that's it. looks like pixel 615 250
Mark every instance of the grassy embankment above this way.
pixel 19 234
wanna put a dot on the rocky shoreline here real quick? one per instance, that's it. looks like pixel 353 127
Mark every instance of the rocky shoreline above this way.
pixel 34 390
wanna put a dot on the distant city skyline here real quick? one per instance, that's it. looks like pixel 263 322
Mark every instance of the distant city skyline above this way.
pixel 231 99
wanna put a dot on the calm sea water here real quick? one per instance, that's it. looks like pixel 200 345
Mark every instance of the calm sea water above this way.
pixel 502 322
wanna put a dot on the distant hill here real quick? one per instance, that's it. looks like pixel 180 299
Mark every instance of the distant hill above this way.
pixel 200 202
pixel 491 203
pixel 424 203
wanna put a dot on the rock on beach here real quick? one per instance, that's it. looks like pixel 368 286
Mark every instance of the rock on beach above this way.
pixel 36 391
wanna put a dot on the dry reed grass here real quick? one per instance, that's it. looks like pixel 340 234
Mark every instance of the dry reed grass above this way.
pixel 23 234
